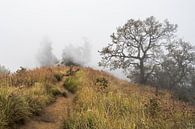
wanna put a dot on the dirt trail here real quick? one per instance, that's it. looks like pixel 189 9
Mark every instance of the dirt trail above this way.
pixel 52 116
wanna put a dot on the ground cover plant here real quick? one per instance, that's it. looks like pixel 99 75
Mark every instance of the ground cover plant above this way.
pixel 124 106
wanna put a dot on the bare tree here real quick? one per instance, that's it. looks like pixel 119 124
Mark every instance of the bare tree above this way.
pixel 137 46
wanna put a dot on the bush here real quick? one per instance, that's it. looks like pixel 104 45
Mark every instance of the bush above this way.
pixel 13 108
pixel 102 83
pixel 52 89
pixel 37 103
pixel 55 91
pixel 185 94
pixel 58 76
pixel 71 84
pixel 37 97
pixel 153 108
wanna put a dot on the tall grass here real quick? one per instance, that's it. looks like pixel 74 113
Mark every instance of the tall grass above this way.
pixel 37 97
pixel 71 84
pixel 17 105
pixel 28 78
pixel 101 101
pixel 119 109
pixel 26 93
pixel 13 108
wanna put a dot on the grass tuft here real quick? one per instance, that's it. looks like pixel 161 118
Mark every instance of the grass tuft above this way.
pixel 71 84
pixel 13 108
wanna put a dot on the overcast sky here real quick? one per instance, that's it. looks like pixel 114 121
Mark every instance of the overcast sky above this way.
pixel 25 23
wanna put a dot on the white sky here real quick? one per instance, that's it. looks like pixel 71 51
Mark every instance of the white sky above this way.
pixel 24 24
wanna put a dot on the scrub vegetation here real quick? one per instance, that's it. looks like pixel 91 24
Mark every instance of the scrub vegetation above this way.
pixel 26 92
pixel 100 101
pixel 104 102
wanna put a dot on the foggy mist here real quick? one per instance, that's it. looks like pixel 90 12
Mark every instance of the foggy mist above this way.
pixel 45 56
pixel 23 24
pixel 77 54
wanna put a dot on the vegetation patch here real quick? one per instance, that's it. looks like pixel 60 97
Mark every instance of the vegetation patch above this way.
pixel 122 106
pixel 123 109
pixel 37 97
pixel 13 108
pixel 71 84
pixel 58 76
pixel 26 93
pixel 102 84
pixel 86 120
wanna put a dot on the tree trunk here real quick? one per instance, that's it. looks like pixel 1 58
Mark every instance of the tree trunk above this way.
pixel 156 91
pixel 142 73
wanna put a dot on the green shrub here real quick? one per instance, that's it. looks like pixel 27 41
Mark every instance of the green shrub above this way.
pixel 13 108
pixel 71 84
pixel 53 90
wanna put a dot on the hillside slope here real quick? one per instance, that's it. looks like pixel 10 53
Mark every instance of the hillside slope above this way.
pixel 29 98
pixel 105 102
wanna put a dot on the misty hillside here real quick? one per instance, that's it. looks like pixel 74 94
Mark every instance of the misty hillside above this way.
pixel 84 98
pixel 97 64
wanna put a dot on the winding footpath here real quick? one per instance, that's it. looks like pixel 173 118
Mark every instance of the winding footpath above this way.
pixel 52 117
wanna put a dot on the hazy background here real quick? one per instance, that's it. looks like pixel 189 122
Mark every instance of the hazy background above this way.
pixel 25 23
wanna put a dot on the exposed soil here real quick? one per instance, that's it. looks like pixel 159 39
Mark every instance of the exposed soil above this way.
pixel 52 117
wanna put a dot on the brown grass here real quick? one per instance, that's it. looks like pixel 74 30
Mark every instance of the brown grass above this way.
pixel 125 105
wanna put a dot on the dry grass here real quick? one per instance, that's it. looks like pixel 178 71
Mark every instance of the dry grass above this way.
pixel 124 106
pixel 28 78
pixel 26 93
pixel 101 102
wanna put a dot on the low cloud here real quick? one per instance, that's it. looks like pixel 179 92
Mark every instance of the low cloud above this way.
pixel 45 56
pixel 76 55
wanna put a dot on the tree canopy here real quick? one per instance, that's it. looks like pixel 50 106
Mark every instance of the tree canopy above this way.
pixel 137 47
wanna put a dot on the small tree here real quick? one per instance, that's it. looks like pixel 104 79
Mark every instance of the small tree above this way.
pixel 137 47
